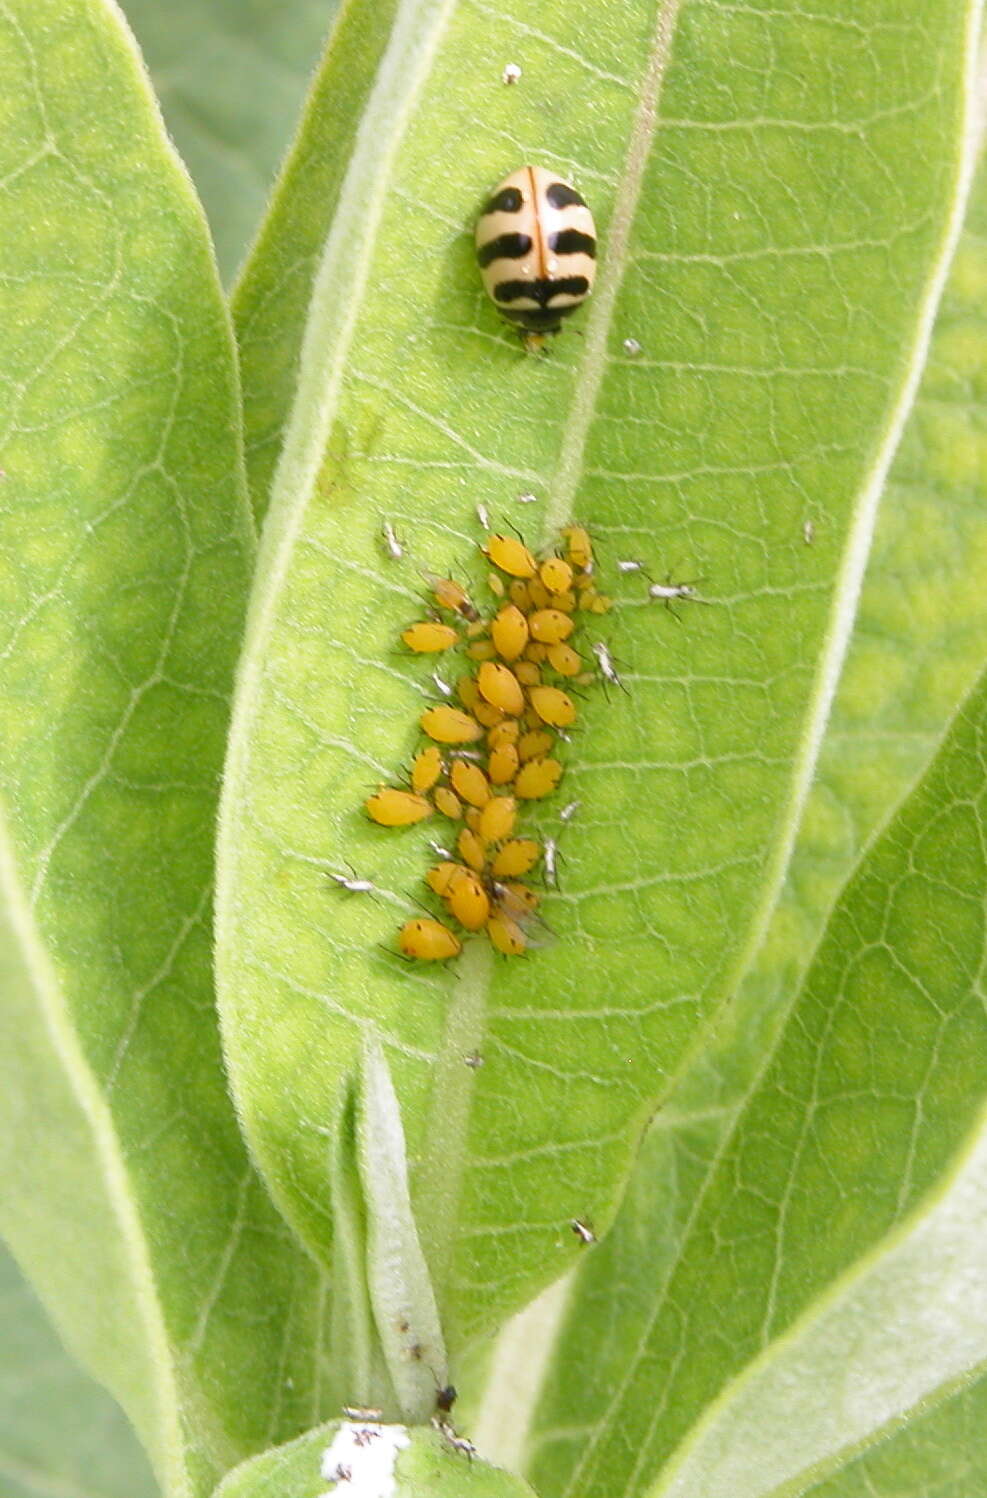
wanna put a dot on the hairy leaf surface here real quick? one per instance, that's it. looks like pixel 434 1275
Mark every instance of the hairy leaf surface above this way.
pixel 125 1188
pixel 784 205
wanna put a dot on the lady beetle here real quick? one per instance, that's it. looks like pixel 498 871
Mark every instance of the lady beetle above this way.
pixel 536 247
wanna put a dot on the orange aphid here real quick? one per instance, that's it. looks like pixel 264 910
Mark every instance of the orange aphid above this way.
pixel 556 575
pixel 553 706
pixel 563 659
pixel 549 626
pixel 447 802
pixel 509 632
pixel 442 877
pixel 447 725
pixel 472 849
pixel 429 637
pixel 539 777
pixel 517 592
pixel 579 547
pixel 453 596
pixel 468 901
pixel 500 687
pixel 425 769
pixel 504 732
pixel 497 819
pixel 393 808
pixel 469 782
pixel 506 935
pixel 428 940
pixel 481 650
pixel 511 556
pixel 503 763
pixel 517 857
pixel 534 744
pixel 527 673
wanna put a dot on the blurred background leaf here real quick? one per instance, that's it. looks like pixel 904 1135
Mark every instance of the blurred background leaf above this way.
pixel 231 76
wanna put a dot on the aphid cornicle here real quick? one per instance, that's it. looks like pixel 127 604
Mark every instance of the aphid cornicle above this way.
pixel 536 248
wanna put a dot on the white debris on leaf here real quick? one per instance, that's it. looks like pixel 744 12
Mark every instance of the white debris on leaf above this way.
pixel 362 1456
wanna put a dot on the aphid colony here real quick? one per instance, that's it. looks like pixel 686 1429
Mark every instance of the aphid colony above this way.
pixel 495 752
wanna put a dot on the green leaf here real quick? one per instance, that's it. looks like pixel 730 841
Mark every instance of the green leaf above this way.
pixel 818 221
pixel 230 79
pixel 126 1191
pixel 920 640
pixel 940 1453
pixel 419 1463
pixel 271 298
pixel 855 1120
pixel 61 1436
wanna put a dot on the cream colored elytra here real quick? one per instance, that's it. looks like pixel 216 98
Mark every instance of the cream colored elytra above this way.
pixel 536 248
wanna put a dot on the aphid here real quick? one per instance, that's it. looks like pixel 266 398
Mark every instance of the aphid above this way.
pixel 428 940
pixel 538 594
pixel 563 659
pixel 518 594
pixel 481 650
pixel 501 688
pixel 453 596
pixel 553 706
pixel 393 808
pixel 536 652
pixel 447 802
pixel 518 901
pixel 468 692
pixel 515 858
pixel 488 715
pixel 583 1231
pixel 502 766
pixel 470 783
pixel 527 673
pixel 447 725
pixel 567 601
pixel 473 815
pixel 534 744
pixel 351 883
pixel 536 248
pixel 550 626
pixel 497 819
pixel 509 632
pixel 471 849
pixel 510 555
pixel 495 584
pixel 579 546
pixel 511 74
pixel 556 575
pixel 483 515
pixel 505 732
pixel 425 769
pixel 539 777
pixel 442 685
pixel 468 901
pixel 444 875
pixel 429 637
pixel 605 662
pixel 393 547
pixel 506 935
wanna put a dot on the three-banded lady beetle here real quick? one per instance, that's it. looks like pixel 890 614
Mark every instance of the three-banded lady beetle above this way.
pixel 536 247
